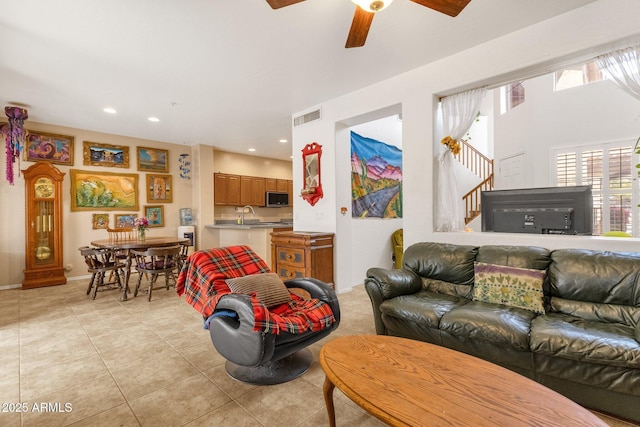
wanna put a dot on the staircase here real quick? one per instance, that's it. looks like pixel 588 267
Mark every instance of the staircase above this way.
pixel 481 166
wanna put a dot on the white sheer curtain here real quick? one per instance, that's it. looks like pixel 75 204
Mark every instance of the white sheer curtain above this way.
pixel 458 113
pixel 623 67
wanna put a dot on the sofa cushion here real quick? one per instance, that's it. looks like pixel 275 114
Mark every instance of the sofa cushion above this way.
pixel 423 307
pixel 516 287
pixel 442 261
pixel 595 276
pixel 570 337
pixel 495 323
pixel 533 257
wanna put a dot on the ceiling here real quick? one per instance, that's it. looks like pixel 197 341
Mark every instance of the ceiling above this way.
pixel 225 73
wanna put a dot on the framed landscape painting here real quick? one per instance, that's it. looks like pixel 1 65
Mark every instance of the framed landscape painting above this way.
pixel 97 154
pixel 159 188
pixel 49 147
pixel 153 159
pixel 103 190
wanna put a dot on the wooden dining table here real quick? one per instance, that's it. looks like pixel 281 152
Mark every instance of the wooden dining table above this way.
pixel 136 244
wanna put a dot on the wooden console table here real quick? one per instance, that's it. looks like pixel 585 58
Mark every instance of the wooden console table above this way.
pixel 406 382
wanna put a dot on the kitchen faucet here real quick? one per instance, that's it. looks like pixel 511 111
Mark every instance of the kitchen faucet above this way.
pixel 242 213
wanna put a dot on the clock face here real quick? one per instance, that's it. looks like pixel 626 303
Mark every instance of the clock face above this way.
pixel 44 188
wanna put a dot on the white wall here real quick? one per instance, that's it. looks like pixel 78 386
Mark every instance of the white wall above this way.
pixel 531 51
pixel 594 113
pixel 368 240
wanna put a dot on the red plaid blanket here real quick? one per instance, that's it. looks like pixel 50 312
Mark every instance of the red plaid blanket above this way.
pixel 202 281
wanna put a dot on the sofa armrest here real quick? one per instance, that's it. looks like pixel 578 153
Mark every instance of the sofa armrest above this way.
pixel 382 284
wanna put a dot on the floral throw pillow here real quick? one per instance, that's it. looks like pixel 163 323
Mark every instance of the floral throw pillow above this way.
pixel 512 286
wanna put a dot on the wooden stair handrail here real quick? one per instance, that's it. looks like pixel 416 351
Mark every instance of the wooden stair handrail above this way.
pixel 481 166
pixel 474 160
pixel 472 199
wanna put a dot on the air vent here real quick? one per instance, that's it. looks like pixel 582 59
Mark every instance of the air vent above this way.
pixel 306 118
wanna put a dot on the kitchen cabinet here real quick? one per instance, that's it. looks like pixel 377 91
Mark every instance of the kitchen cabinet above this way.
pixel 282 185
pixel 226 189
pixel 279 185
pixel 242 190
pixel 302 254
pixel 252 189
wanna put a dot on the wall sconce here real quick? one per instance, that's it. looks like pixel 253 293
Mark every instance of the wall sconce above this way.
pixel 343 210
pixel 312 191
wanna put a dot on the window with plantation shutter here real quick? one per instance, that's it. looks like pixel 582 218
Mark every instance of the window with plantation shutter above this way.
pixel 608 168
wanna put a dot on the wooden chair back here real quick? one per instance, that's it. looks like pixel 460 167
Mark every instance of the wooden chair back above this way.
pixel 120 234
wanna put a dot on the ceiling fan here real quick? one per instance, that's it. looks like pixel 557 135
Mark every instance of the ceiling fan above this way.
pixel 365 10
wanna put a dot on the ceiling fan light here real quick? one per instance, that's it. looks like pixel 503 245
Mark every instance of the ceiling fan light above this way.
pixel 372 5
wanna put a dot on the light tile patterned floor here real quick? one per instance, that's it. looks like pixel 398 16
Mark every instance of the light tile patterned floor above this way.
pixel 139 363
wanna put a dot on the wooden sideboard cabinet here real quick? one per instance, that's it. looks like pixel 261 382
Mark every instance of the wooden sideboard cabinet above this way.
pixel 302 254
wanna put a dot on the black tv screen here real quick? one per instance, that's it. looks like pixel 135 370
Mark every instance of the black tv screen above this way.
pixel 552 210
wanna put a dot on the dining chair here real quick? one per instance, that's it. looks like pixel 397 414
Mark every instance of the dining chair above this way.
pixel 184 254
pixel 120 234
pixel 100 261
pixel 155 262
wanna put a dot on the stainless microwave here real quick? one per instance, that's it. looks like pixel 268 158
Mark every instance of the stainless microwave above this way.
pixel 276 199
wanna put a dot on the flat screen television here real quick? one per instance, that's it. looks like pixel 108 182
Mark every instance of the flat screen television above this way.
pixel 553 210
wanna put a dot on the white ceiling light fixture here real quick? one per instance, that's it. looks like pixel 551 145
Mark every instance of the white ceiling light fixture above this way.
pixel 252 149
pixel 154 119
pixel 109 110
pixel 372 5
pixel 283 141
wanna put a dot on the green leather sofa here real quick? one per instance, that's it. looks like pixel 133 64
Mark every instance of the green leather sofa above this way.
pixel 584 340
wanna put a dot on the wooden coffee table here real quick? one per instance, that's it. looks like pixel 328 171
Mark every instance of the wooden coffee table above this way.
pixel 411 383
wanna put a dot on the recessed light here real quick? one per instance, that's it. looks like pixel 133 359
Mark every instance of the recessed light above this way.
pixel 252 149
pixel 154 119
pixel 283 141
pixel 109 110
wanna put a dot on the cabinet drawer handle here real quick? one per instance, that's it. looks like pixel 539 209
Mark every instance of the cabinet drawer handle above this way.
pixel 289 257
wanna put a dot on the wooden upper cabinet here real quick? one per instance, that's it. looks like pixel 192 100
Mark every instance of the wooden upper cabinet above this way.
pixel 226 189
pixel 252 189
pixel 282 185
pixel 241 190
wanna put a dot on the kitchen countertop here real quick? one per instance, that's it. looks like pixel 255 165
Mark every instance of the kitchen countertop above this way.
pixel 249 225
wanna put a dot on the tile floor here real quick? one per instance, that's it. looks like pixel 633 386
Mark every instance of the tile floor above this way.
pixel 106 363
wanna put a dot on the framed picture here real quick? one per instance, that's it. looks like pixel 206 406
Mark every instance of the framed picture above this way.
pixel 155 215
pixel 103 190
pixel 100 220
pixel 153 159
pixel 49 147
pixel 159 188
pixel 96 154
pixel 124 220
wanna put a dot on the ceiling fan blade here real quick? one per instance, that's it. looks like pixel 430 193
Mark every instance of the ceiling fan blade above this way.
pixel 448 7
pixel 359 28
pixel 277 4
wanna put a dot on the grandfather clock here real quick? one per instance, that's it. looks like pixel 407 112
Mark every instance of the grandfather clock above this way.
pixel 43 188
